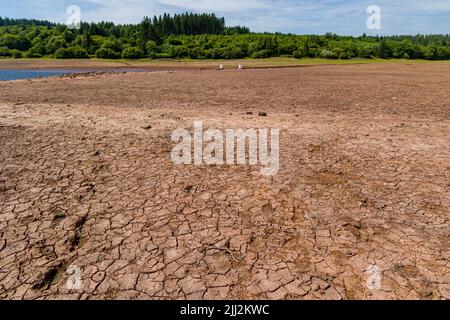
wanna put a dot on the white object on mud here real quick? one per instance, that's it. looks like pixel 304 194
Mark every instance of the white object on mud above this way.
pixel 240 67
pixel 221 67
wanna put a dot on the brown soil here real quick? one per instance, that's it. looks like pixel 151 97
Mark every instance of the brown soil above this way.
pixel 86 179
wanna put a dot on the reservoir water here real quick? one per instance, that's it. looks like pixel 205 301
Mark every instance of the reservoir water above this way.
pixel 17 74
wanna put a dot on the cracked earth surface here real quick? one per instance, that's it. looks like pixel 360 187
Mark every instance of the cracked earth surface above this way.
pixel 364 180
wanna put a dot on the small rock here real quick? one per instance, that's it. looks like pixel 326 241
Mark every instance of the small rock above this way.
pixel 380 205
pixel 410 210
pixel 249 113
pixel 262 114
pixel 147 127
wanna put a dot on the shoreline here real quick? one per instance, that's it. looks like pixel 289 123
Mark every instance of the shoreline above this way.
pixel 173 65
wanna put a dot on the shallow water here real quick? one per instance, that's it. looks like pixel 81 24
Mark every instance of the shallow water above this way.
pixel 17 74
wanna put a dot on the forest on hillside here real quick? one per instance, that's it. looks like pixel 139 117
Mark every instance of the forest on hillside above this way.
pixel 200 36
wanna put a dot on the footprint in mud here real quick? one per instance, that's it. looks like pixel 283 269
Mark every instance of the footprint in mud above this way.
pixel 77 240
pixel 48 251
pixel 298 212
pixel 58 216
pixel 353 226
pixel 51 276
pixel 407 271
pixel 268 209
pixel 416 281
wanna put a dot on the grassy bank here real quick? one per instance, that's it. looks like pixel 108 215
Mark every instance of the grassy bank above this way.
pixel 279 62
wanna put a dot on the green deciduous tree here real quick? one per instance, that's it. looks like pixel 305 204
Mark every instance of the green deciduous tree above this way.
pixel 132 53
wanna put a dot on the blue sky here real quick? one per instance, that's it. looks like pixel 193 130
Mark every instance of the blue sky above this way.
pixel 296 16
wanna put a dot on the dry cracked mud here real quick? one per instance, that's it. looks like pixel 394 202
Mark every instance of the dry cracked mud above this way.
pixel 86 180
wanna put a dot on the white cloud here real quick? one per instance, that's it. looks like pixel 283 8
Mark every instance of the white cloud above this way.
pixel 216 5
pixel 120 11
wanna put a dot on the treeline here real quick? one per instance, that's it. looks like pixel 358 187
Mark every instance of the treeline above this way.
pixel 187 24
pixel 201 36
pixel 24 22
pixel 298 46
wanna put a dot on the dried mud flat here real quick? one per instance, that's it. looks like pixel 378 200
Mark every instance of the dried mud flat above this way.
pixel 364 180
